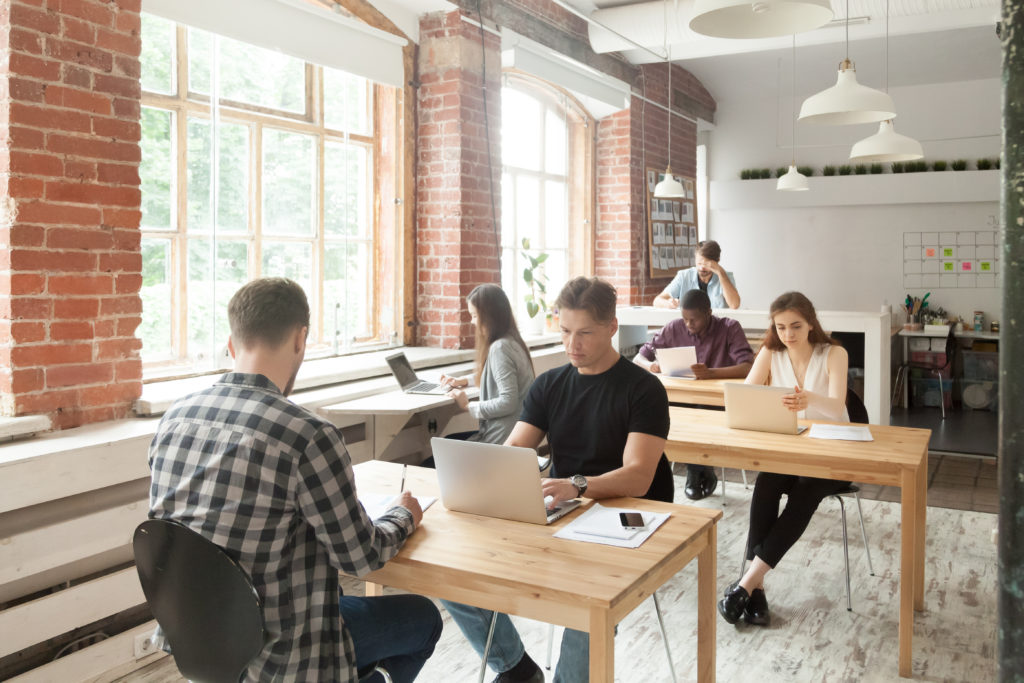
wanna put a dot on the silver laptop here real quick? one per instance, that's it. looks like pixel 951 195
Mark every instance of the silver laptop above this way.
pixel 406 376
pixel 676 361
pixel 759 408
pixel 493 481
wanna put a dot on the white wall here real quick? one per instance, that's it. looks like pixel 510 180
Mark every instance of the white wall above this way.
pixel 849 257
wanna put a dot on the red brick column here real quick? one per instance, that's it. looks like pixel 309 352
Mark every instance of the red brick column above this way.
pixel 69 229
pixel 455 236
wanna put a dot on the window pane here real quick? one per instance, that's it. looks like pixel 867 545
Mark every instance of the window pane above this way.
pixel 556 227
pixel 557 270
pixel 233 154
pixel 347 290
pixel 520 130
pixel 346 102
pixel 156 170
pixel 289 174
pixel 209 290
pixel 158 39
pixel 346 190
pixel 528 210
pixel 555 150
pixel 247 73
pixel 155 330
pixel 293 260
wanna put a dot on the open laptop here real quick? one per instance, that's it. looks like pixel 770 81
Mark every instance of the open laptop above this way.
pixel 493 481
pixel 759 408
pixel 676 362
pixel 406 376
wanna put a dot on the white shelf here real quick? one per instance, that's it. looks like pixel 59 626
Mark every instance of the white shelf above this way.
pixel 933 187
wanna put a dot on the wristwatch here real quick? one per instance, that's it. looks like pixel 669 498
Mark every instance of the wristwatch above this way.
pixel 580 482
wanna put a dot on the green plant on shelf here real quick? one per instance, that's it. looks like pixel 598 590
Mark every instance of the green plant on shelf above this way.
pixel 897 167
pixel 745 174
pixel 845 169
pixel 766 173
pixel 805 170
pixel 959 165
pixel 533 275
pixel 860 169
pixel 876 169
pixel 939 166
pixel 828 170
pixel 984 164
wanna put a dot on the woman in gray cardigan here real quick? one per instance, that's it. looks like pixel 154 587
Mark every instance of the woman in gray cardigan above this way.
pixel 504 370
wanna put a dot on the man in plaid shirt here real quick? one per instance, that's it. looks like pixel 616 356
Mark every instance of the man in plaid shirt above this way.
pixel 272 483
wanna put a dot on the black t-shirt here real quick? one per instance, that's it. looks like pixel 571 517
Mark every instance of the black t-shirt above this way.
pixel 588 418
pixel 703 285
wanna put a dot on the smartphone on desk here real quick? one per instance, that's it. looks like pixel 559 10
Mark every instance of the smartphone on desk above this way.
pixel 631 520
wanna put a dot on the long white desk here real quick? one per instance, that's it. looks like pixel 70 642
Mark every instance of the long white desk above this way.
pixel 634 322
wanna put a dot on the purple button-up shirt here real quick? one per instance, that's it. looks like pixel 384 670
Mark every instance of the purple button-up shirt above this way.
pixel 721 345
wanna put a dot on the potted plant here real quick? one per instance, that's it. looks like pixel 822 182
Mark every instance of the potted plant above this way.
pixel 897 167
pixel 876 169
pixel 860 169
pixel 984 164
pixel 806 170
pixel 828 170
pixel 845 169
pixel 781 171
pixel 939 166
pixel 745 174
pixel 534 277
pixel 959 165
pixel 766 173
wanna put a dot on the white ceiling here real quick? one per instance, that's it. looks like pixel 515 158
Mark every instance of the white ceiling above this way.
pixel 931 41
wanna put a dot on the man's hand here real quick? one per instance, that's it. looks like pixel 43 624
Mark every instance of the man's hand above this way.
pixel 716 268
pixel 560 490
pixel 654 367
pixel 409 502
pixel 702 371
pixel 460 398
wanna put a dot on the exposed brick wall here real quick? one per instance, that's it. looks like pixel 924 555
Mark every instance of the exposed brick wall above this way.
pixel 69 228
pixel 455 238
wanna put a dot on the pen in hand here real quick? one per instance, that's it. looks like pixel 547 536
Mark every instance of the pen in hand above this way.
pixel 402 488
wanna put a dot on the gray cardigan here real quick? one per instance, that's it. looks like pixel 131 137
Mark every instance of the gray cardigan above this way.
pixel 504 383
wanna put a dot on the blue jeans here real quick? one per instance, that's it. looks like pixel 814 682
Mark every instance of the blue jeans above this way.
pixel 507 647
pixel 397 631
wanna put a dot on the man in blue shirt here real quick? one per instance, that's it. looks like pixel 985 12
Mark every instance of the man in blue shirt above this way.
pixel 708 276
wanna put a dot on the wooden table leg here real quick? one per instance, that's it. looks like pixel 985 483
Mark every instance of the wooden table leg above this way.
pixel 707 592
pixel 373 590
pixel 908 572
pixel 919 536
pixel 602 646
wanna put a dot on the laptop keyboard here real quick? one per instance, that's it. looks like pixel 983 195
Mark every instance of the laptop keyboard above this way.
pixel 424 386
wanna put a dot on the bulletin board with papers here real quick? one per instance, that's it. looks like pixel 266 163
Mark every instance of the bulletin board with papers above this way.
pixel 671 227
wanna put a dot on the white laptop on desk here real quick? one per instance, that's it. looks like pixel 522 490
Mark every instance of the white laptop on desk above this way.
pixel 406 376
pixel 759 408
pixel 493 481
pixel 676 362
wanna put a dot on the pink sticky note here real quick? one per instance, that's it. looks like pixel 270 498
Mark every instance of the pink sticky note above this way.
pixel 965 266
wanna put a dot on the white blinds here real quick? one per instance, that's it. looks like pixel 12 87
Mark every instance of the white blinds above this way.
pixel 296 28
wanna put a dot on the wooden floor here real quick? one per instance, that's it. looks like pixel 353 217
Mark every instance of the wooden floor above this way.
pixel 812 637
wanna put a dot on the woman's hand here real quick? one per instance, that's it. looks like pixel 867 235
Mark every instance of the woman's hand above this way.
pixel 796 401
pixel 460 398
pixel 454 382
pixel 654 367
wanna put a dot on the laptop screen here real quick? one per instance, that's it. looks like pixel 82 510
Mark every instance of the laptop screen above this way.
pixel 401 369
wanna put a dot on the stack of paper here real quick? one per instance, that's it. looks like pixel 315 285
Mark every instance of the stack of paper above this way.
pixel 377 504
pixel 601 524
pixel 840 432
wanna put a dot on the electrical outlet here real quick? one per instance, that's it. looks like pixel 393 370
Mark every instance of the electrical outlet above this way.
pixel 144 645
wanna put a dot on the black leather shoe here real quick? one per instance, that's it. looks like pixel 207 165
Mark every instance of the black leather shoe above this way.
pixel 732 605
pixel 709 484
pixel 693 487
pixel 756 612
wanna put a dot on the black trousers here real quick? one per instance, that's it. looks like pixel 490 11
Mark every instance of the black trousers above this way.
pixel 770 534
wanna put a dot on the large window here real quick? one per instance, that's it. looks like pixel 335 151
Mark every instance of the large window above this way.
pixel 272 177
pixel 546 159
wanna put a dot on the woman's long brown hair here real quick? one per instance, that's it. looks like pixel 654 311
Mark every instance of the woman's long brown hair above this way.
pixel 494 321
pixel 802 306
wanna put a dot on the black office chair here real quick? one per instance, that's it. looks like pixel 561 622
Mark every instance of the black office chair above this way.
pixel 937 369
pixel 204 602
pixel 858 414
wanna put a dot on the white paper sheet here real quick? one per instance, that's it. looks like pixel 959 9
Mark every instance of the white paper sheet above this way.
pixel 601 525
pixel 840 432
pixel 377 504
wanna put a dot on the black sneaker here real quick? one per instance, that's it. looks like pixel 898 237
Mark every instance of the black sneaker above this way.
pixel 526 671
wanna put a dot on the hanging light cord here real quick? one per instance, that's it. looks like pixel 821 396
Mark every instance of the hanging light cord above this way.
pixel 793 150
pixel 847 30
pixel 886 47
pixel 668 62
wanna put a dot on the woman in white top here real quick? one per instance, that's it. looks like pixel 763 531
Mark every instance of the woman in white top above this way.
pixel 504 370
pixel 796 353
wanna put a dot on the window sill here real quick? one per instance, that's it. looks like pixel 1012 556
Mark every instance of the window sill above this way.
pixel 12 428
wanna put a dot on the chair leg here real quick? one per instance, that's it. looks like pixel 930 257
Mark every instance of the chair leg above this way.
pixel 864 533
pixel 942 394
pixel 896 386
pixel 664 637
pixel 487 647
pixel 384 673
pixel 551 642
pixel 723 486
pixel 846 554
pixel 744 473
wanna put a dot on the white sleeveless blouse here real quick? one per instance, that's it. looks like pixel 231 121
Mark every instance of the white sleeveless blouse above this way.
pixel 815 379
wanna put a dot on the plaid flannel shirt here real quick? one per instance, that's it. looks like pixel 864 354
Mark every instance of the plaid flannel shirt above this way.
pixel 272 483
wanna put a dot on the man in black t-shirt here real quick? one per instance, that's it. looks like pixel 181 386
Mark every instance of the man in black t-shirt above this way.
pixel 606 420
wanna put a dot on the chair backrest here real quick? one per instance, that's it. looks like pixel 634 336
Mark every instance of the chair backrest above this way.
pixel 855 407
pixel 950 348
pixel 203 600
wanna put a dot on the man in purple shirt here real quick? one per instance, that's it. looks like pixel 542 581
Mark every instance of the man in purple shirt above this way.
pixel 722 353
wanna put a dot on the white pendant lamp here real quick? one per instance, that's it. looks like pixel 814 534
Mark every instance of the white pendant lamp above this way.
pixel 847 102
pixel 886 144
pixel 669 187
pixel 758 19
pixel 793 180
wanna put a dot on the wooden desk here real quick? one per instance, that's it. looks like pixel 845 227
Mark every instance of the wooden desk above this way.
pixel 521 569
pixel 702 392
pixel 897 457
